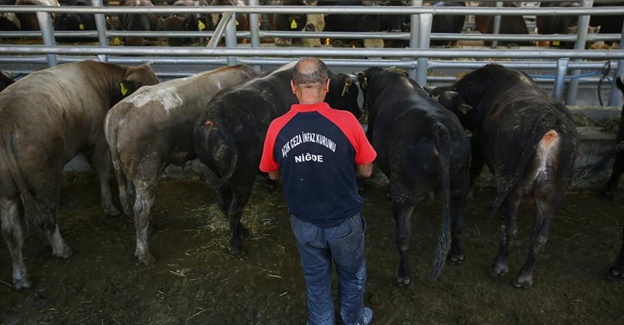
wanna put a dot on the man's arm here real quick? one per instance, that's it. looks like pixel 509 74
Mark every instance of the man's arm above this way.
pixel 363 170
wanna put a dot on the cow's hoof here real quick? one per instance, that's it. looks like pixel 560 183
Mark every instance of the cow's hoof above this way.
pixel 523 281
pixel 498 269
pixel 145 259
pixel 404 282
pixel 456 259
pixel 112 211
pixel 607 195
pixel 65 252
pixel 616 274
pixel 21 284
pixel 236 250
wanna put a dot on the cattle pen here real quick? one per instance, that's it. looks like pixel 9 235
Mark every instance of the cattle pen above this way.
pixel 195 281
pixel 560 70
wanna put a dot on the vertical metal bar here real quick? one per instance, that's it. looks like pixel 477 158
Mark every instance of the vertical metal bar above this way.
pixel 562 70
pixel 254 24
pixel 583 25
pixel 496 24
pixel 426 20
pixel 614 94
pixel 230 38
pixel 414 35
pixel 47 33
pixel 100 24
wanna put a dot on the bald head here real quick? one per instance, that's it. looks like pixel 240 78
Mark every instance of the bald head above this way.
pixel 310 72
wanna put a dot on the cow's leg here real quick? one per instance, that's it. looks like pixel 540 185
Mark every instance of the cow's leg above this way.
pixel 617 269
pixel 100 161
pixel 126 189
pixel 403 222
pixel 608 191
pixel 458 203
pixel 145 194
pixel 507 231
pixel 476 167
pixel 12 233
pixel 539 237
pixel 240 197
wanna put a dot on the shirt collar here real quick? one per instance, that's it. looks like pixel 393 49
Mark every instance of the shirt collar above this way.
pixel 309 107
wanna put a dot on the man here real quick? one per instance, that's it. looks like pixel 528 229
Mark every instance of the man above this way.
pixel 318 152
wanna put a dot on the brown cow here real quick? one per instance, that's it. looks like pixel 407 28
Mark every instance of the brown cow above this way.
pixel 29 21
pixel 154 128
pixel 143 22
pixel 45 119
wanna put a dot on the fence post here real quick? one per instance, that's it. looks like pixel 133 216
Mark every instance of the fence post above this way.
pixel 614 95
pixel 496 24
pixel 230 37
pixel 414 35
pixel 424 29
pixel 47 34
pixel 562 70
pixel 100 24
pixel 581 39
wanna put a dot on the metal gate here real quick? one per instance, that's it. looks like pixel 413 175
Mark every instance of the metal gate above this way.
pixel 561 71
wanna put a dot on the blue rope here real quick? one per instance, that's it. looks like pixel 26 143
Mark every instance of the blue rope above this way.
pixel 583 75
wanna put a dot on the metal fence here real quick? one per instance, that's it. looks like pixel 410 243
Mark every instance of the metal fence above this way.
pixel 558 69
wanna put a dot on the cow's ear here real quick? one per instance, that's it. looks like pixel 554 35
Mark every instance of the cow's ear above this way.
pixel 361 77
pixel 428 89
pixel 464 108
pixel 127 87
pixel 347 84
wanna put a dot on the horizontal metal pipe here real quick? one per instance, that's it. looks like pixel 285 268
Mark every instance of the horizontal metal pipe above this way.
pixel 350 10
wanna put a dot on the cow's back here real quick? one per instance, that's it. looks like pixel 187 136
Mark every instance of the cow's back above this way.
pixel 65 101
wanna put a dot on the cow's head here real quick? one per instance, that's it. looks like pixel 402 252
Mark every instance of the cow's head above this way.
pixel 135 78
pixel 343 93
pixel 451 99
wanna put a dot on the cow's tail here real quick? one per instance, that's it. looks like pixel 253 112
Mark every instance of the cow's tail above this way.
pixel 443 145
pixel 537 139
pixel 210 128
pixel 32 210
pixel 111 134
pixel 586 172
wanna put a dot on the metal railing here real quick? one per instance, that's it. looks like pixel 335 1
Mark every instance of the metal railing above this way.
pixel 565 66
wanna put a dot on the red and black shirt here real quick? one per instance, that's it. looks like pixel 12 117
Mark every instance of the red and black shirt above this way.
pixel 316 148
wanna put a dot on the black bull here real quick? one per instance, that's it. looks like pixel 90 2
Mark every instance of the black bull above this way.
pixel 230 134
pixel 617 269
pixel 527 139
pixel 421 147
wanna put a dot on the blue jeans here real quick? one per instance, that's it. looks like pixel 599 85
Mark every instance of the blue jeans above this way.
pixel 345 245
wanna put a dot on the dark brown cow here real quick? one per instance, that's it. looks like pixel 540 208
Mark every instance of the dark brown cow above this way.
pixel 528 141
pixel 142 22
pixel 608 191
pixel 46 118
pixel 187 22
pixel 617 269
pixel 228 137
pixel 152 129
pixel 421 147
pixel 29 21
pixel 508 25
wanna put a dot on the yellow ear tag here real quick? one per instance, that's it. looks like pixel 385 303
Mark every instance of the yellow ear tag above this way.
pixel 345 89
pixel 201 25
pixel 81 26
pixel 463 110
pixel 556 43
pixel 116 41
pixel 236 22
pixel 293 24
pixel 124 89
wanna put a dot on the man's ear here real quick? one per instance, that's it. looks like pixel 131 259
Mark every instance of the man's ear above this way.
pixel 327 85
pixel 292 87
